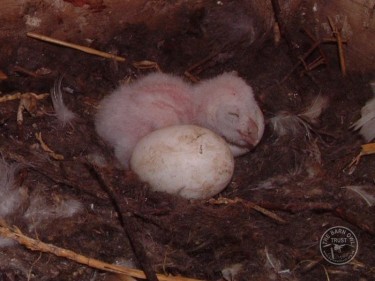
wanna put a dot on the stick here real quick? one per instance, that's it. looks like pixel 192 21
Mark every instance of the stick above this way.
pixel 24 71
pixel 282 26
pixel 3 76
pixel 128 223
pixel 249 204
pixel 299 206
pixel 74 46
pixel 36 245
pixel 313 39
pixel 356 219
pixel 195 67
pixel 301 60
pixel 337 34
pixel 45 147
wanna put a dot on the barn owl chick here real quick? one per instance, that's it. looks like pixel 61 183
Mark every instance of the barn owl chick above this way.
pixel 226 105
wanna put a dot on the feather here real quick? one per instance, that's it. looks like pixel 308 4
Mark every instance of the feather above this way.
pixel 63 114
pixel 366 124
pixel 117 277
pixel 271 262
pixel 315 109
pixel 68 208
pixel 363 193
pixel 285 123
pixel 272 183
pixel 42 211
pixel 230 272
pixel 6 242
pixel 11 196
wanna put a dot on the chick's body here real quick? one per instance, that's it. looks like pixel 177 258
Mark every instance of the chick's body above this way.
pixel 132 111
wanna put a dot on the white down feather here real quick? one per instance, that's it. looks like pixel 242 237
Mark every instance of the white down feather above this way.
pixel 366 124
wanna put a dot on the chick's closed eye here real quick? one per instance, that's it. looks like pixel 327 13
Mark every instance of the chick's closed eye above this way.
pixel 233 116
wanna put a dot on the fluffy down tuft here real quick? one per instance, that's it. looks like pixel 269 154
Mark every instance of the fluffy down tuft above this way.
pixel 63 114
pixel 293 125
pixel 11 196
pixel 366 124
pixel 41 211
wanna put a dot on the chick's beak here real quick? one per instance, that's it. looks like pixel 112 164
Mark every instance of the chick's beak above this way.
pixel 251 137
pixel 248 138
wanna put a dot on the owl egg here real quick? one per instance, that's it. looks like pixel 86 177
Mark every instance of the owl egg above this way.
pixel 186 160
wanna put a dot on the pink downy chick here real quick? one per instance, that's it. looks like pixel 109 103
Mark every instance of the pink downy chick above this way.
pixel 132 111
pixel 226 105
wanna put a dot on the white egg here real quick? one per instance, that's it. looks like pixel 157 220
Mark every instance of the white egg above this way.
pixel 186 160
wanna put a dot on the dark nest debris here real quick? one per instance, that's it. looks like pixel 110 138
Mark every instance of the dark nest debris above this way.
pixel 266 225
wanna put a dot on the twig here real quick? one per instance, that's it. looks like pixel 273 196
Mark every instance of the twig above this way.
pixel 282 26
pixel 3 76
pixel 23 70
pixel 203 61
pixel 45 147
pixel 356 219
pixel 337 34
pixel 28 101
pixel 18 95
pixel 146 64
pixel 366 149
pixel 310 264
pixel 326 273
pixel 265 212
pixel 74 46
pixel 301 60
pixel 252 205
pixel 314 64
pixel 128 223
pixel 191 77
pixel 299 207
pixel 37 245
pixel 36 162
pixel 194 70
pixel 313 39
pixel 15 96
pixel 32 266
pixel 322 58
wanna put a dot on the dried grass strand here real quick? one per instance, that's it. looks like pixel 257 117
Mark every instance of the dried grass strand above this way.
pixel 37 245
pixel 74 46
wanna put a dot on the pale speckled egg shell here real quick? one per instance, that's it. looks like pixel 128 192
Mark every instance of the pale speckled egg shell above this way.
pixel 187 160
